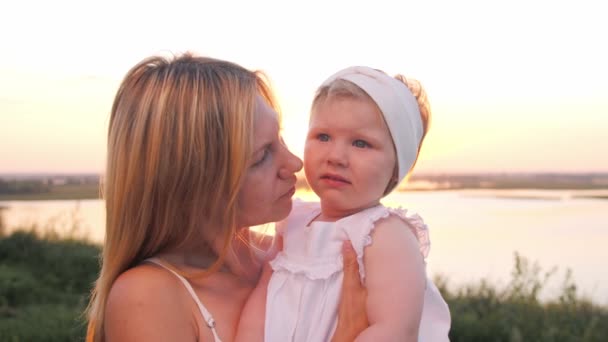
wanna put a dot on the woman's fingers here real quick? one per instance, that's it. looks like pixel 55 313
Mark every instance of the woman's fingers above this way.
pixel 352 279
pixel 352 315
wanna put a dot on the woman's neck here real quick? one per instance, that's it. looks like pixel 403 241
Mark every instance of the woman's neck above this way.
pixel 237 260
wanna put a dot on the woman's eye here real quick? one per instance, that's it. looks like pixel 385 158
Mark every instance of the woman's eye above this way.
pixel 323 137
pixel 361 143
pixel 264 156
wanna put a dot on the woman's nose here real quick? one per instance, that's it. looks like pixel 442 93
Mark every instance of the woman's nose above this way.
pixel 292 164
pixel 295 162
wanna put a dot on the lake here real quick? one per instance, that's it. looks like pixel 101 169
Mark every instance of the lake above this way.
pixel 474 233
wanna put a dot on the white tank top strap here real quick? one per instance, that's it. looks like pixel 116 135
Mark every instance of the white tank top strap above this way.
pixel 206 314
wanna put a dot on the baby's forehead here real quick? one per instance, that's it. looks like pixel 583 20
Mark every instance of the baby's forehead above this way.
pixel 348 114
pixel 332 101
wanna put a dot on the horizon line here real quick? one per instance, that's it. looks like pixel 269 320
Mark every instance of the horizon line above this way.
pixel 421 173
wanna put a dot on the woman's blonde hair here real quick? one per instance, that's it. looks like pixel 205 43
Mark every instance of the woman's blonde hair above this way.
pixel 345 89
pixel 179 144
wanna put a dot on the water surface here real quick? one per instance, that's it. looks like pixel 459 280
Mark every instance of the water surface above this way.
pixel 474 234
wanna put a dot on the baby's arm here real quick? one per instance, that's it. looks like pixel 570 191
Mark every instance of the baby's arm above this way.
pixel 395 280
pixel 252 320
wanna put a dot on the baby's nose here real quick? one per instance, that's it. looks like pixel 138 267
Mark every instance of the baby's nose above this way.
pixel 337 156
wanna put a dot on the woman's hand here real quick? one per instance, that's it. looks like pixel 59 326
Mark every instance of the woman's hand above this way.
pixel 352 315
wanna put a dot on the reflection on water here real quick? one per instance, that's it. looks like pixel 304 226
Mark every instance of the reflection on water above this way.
pixel 80 219
pixel 474 234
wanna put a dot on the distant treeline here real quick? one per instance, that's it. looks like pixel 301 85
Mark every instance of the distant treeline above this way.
pixel 498 181
pixel 514 181
pixel 14 187
pixel 26 188
pixel 32 185
pixel 43 184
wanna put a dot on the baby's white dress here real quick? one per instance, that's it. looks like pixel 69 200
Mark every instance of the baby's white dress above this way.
pixel 304 290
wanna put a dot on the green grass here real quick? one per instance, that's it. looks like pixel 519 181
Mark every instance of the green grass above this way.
pixel 485 312
pixel 44 286
pixel 45 282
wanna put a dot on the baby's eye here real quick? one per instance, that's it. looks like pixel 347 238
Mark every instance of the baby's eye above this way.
pixel 323 137
pixel 361 143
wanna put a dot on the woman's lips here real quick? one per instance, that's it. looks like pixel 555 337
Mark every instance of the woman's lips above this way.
pixel 289 193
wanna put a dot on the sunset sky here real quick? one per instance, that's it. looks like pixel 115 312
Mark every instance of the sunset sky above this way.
pixel 515 86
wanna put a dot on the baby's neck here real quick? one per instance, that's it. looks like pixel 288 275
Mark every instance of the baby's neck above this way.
pixel 332 214
pixel 326 218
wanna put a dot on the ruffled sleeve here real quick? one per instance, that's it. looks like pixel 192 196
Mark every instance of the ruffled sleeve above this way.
pixel 418 227
pixel 359 228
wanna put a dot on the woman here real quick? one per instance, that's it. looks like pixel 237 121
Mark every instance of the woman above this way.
pixel 194 158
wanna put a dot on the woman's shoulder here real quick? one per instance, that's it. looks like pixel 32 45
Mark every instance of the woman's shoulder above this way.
pixel 145 296
pixel 143 286
pixel 141 280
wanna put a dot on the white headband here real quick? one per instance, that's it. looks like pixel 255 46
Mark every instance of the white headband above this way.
pixel 398 106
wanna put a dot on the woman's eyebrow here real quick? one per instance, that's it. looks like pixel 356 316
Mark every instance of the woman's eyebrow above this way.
pixel 262 146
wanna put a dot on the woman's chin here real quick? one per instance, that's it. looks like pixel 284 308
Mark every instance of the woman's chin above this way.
pixel 282 211
pixel 278 213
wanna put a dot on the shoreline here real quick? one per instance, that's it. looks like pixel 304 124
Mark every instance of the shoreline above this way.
pixel 504 193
